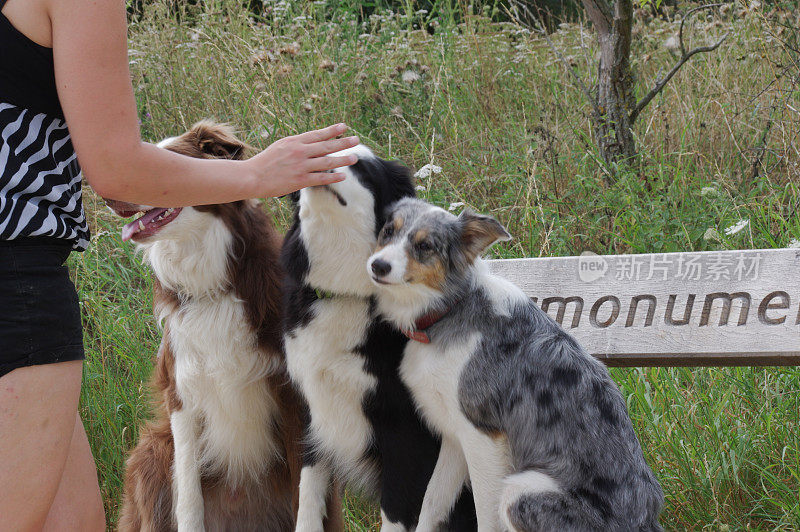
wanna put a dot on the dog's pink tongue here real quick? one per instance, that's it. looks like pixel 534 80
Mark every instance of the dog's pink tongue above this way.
pixel 140 224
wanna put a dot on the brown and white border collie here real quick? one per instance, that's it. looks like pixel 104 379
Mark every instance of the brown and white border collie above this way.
pixel 223 450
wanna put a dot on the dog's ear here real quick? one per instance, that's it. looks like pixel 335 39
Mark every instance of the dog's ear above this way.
pixel 479 232
pixel 217 140
pixel 401 181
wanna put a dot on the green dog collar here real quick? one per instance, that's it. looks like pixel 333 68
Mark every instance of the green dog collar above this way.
pixel 323 294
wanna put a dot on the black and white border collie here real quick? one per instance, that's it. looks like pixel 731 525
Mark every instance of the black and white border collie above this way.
pixel 536 424
pixel 362 427
pixel 223 451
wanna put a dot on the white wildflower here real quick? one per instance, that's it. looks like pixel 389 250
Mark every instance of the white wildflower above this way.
pixel 455 205
pixel 427 170
pixel 794 243
pixel 410 76
pixel 672 44
pixel 709 191
pixel 711 234
pixel 419 188
pixel 735 228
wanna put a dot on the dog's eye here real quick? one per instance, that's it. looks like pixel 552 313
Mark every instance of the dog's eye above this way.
pixel 423 246
pixel 388 230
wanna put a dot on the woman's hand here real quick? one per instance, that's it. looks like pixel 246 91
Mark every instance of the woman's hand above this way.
pixel 301 161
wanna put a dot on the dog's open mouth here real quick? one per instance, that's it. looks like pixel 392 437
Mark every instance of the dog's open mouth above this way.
pixel 149 223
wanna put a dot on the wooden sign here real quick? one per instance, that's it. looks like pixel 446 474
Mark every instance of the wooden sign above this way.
pixel 720 308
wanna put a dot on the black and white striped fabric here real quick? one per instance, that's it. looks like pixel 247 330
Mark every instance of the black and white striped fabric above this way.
pixel 40 180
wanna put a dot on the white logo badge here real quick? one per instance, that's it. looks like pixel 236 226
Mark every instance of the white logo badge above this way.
pixel 591 267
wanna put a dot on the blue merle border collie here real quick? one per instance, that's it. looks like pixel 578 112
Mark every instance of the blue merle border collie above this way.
pixel 361 426
pixel 535 422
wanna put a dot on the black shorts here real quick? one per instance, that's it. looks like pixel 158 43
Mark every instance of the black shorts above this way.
pixel 40 320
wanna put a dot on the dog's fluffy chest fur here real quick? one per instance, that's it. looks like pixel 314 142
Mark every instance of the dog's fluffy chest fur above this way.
pixel 220 377
pixel 432 373
pixel 331 375
pixel 220 372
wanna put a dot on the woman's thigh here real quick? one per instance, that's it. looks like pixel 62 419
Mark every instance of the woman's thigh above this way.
pixel 38 406
pixel 78 506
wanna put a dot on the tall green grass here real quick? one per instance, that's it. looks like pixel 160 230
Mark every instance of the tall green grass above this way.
pixel 491 105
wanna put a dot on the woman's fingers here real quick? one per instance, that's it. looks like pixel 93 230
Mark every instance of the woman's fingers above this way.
pixel 322 164
pixel 323 178
pixel 319 135
pixel 302 161
pixel 318 149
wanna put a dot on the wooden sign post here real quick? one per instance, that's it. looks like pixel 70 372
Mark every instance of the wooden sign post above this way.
pixel 720 308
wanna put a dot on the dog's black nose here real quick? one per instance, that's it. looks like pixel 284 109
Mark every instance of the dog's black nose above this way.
pixel 380 267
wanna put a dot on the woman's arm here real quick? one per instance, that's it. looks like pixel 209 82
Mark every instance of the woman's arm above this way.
pixel 94 86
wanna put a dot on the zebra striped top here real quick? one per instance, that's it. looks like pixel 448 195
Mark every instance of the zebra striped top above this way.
pixel 40 180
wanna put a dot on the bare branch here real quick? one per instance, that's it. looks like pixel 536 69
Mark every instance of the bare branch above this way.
pixel 685 56
pixel 685 17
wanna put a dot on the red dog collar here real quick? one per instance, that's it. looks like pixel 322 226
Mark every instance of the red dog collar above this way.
pixel 419 332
